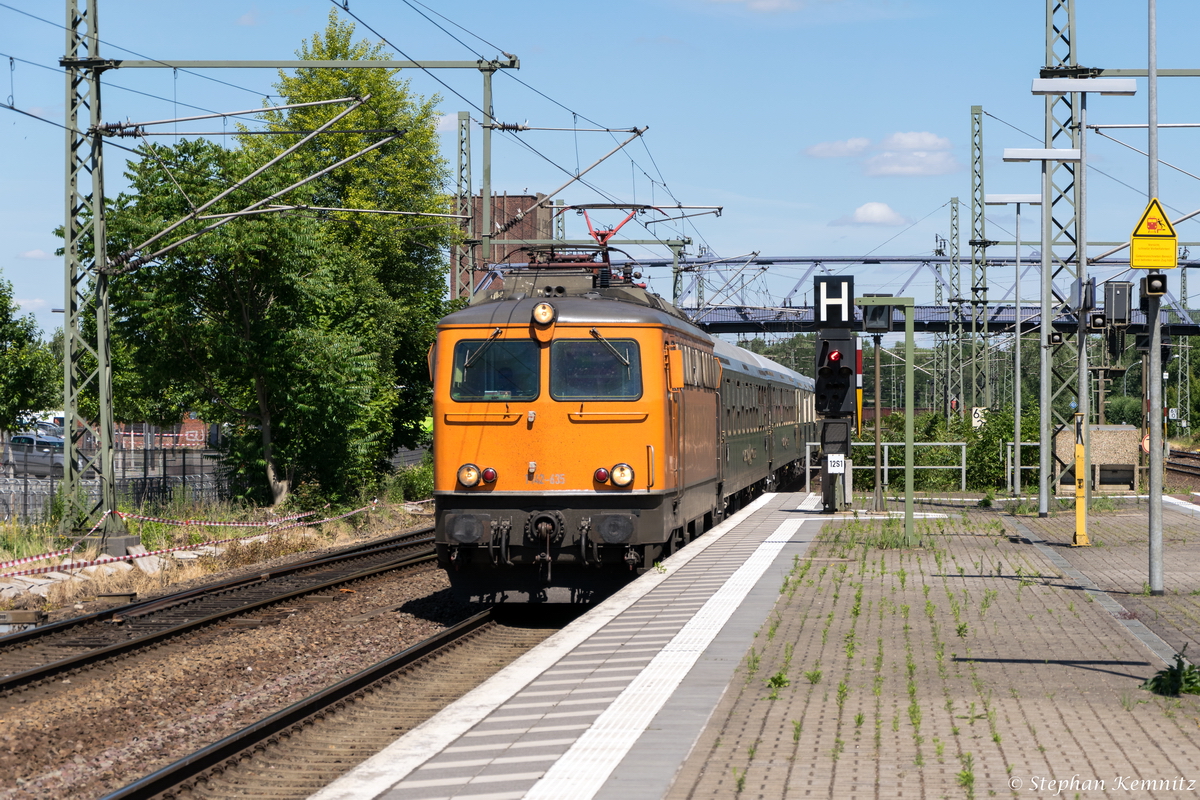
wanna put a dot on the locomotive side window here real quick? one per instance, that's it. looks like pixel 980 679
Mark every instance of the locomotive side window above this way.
pixel 494 370
pixel 591 369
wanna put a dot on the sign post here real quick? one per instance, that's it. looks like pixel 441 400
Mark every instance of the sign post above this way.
pixel 1081 480
pixel 1155 246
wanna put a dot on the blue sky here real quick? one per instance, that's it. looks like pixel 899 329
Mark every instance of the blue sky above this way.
pixel 823 127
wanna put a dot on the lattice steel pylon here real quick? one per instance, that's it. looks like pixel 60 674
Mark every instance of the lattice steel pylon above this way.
pixel 462 274
pixel 981 373
pixel 954 362
pixel 84 363
pixel 1062 130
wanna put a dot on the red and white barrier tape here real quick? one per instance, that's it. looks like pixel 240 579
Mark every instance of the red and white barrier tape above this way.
pixel 111 559
pixel 204 523
pixel 16 562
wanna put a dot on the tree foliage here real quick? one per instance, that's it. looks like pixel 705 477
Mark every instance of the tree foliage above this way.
pixel 403 255
pixel 264 324
pixel 306 332
pixel 30 379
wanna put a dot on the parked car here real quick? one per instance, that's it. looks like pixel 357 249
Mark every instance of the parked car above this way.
pixel 32 453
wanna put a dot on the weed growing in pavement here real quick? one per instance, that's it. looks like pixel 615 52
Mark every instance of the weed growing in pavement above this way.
pixel 796 729
pixel 896 721
pixel 843 691
pixel 939 747
pixel 752 661
pixel 774 627
pixel 778 681
pixel 752 749
pixel 903 577
pixel 856 609
pixel 961 630
pixel 966 778
pixel 787 655
pixel 925 590
pixel 1172 681
pixel 740 779
pixel 859 718
pixel 838 747
pixel 660 568
pixel 988 596
pixel 850 644
pixel 814 674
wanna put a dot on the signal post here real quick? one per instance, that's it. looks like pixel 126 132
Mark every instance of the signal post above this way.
pixel 836 395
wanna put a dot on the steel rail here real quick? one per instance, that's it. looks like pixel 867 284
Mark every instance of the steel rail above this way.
pixel 52 669
pixel 139 608
pixel 218 753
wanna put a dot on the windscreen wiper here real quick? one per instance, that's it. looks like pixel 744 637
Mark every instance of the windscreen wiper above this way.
pixel 475 356
pixel 609 345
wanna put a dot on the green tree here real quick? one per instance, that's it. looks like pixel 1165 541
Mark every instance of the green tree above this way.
pixel 402 255
pixel 29 374
pixel 265 324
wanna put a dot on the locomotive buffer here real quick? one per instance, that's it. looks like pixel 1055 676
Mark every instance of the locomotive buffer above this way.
pixel 836 396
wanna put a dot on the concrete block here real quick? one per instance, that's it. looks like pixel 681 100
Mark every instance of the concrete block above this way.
pixel 150 565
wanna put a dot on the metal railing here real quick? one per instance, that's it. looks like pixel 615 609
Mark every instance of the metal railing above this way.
pixel 30 479
pixel 886 467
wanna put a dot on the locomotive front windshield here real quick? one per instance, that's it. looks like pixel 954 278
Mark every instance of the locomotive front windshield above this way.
pixel 494 370
pixel 595 369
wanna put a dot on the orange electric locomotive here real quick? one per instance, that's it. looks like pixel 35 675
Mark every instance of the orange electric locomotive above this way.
pixel 584 429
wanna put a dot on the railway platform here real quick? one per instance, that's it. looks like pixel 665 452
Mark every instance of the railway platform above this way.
pixel 793 654
pixel 610 706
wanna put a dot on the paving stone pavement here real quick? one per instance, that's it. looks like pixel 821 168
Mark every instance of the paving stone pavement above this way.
pixel 976 665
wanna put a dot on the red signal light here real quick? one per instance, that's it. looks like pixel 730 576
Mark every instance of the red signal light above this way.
pixel 835 356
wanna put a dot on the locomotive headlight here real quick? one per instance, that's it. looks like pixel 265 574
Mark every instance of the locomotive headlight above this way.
pixel 543 313
pixel 468 475
pixel 622 475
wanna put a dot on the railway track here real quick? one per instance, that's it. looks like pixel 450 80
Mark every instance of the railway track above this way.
pixel 1183 462
pixel 304 747
pixel 32 657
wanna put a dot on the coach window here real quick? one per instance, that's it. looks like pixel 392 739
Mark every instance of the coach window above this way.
pixel 595 369
pixel 488 370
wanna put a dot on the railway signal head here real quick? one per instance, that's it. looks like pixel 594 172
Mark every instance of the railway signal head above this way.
pixel 1154 285
pixel 1096 321
pixel 835 372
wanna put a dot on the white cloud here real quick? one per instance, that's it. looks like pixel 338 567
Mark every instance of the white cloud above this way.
pixel 847 147
pixel 912 153
pixel 33 305
pixel 917 162
pixel 448 123
pixel 37 255
pixel 904 153
pixel 873 213
pixel 914 141
pixel 250 19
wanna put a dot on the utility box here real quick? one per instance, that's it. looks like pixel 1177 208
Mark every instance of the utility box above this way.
pixel 1114 452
